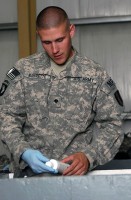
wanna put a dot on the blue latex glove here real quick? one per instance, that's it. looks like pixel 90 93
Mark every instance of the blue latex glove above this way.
pixel 36 161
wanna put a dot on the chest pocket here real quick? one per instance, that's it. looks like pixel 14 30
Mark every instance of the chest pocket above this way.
pixel 36 94
pixel 79 98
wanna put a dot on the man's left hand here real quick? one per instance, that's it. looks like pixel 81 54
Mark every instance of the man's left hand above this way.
pixel 79 164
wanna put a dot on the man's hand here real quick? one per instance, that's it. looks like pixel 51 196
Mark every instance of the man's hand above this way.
pixel 36 161
pixel 79 164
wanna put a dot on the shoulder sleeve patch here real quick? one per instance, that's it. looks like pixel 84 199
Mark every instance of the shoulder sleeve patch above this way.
pixel 119 98
pixel 108 86
pixel 4 87
pixel 110 83
pixel 10 76
pixel 12 73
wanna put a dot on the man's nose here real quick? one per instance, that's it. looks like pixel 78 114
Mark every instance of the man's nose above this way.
pixel 55 48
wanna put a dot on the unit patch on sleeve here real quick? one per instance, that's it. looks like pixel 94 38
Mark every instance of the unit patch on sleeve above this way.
pixel 4 87
pixel 12 73
pixel 119 98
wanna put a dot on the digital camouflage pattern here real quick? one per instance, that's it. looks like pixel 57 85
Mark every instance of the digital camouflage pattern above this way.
pixel 77 111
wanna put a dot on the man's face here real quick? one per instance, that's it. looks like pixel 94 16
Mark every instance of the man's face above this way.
pixel 57 42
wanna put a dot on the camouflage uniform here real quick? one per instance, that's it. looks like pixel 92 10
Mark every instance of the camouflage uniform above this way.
pixel 77 111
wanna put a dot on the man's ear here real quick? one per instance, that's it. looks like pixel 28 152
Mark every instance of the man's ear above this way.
pixel 72 30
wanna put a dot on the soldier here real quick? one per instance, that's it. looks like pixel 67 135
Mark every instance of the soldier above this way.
pixel 58 104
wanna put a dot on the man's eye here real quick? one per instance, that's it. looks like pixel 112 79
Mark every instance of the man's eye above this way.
pixel 60 39
pixel 46 42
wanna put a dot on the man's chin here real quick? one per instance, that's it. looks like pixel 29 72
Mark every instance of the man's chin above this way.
pixel 59 62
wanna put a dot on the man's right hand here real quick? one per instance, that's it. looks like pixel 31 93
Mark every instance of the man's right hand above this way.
pixel 79 164
pixel 36 161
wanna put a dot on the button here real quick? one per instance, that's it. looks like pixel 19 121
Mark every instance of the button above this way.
pixel 56 100
pixel 46 119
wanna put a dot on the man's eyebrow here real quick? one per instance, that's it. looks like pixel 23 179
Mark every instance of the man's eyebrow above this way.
pixel 57 39
pixel 45 41
pixel 60 38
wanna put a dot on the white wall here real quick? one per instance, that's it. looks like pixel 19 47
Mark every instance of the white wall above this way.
pixel 8 51
pixel 89 8
pixel 8 11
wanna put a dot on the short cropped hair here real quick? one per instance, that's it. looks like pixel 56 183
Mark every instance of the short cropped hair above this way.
pixel 51 16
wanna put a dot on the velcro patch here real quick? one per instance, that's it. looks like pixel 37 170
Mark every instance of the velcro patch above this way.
pixel 12 73
pixel 108 86
pixel 110 83
pixel 4 87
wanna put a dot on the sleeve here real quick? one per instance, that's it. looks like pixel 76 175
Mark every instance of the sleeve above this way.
pixel 13 115
pixel 108 135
